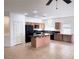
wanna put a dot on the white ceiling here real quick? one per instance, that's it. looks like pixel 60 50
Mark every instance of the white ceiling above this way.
pixel 28 6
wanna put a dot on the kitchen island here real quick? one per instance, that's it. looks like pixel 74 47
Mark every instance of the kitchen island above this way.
pixel 40 40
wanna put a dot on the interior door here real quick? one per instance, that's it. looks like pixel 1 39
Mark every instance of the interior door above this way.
pixel 18 32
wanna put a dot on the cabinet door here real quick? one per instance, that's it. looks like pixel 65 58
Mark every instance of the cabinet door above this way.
pixel 58 25
pixel 58 36
pixel 67 38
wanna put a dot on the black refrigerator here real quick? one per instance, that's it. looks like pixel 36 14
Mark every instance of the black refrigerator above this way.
pixel 28 33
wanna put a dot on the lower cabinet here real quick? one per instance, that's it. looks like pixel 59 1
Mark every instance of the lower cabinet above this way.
pixel 58 37
pixel 63 37
pixel 67 38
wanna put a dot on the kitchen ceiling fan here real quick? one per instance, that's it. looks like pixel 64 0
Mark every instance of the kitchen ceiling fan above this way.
pixel 50 1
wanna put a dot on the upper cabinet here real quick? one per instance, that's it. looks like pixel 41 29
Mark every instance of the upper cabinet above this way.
pixel 36 25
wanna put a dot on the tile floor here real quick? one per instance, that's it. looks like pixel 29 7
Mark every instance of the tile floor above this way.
pixel 55 50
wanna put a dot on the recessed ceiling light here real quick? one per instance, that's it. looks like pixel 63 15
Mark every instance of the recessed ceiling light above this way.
pixel 35 11
pixel 25 14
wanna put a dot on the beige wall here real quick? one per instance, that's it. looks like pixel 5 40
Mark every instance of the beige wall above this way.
pixel 6 25
pixel 6 32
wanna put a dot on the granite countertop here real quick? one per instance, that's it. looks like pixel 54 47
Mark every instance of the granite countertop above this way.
pixel 65 31
pixel 45 34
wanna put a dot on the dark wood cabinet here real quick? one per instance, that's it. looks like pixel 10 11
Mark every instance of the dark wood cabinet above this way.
pixel 63 37
pixel 67 38
pixel 58 37
pixel 58 25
